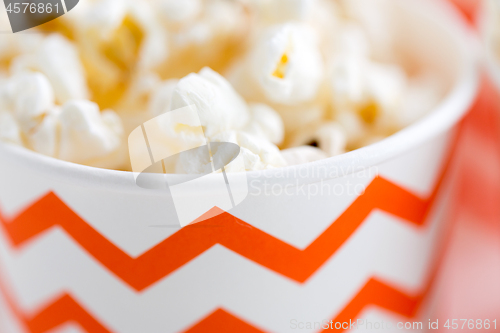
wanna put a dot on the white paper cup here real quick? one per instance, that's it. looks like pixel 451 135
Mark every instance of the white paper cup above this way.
pixel 353 236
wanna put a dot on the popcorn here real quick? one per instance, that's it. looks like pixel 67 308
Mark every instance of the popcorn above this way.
pixel 256 153
pixel 177 133
pixel 44 137
pixel 422 93
pixel 224 117
pixel 302 154
pixel 347 82
pixel 11 45
pixel 385 84
pixel 371 90
pixel 160 100
pixel 317 77
pixel 326 17
pixel 75 132
pixel 354 127
pixel 329 137
pixel 265 123
pixel 301 116
pixel 179 12
pixel 373 17
pixel 28 96
pixel 211 35
pixel 58 59
pixel 218 20
pixel 322 15
pixel 118 39
pixel 138 94
pixel 277 11
pixel 366 95
pixel 351 40
pixel 9 130
pixel 219 106
pixel 83 126
pixel 285 67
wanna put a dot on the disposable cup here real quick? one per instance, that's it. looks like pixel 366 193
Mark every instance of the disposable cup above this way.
pixel 356 236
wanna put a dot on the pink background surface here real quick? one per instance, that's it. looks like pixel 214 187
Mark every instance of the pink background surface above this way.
pixel 468 285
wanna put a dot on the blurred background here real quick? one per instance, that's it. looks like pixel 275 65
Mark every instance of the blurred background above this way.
pixel 469 284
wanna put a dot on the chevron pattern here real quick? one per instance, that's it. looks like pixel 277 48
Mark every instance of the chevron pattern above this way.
pixel 63 310
pixel 373 293
pixel 234 234
pixel 376 293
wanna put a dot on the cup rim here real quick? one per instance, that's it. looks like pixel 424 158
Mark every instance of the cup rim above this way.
pixel 490 61
pixel 443 117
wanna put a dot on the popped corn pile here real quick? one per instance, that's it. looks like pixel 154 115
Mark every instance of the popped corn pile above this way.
pixel 289 81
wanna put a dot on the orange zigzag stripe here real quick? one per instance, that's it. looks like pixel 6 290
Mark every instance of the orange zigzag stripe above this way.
pixel 230 232
pixel 234 234
pixel 66 309
pixel 373 293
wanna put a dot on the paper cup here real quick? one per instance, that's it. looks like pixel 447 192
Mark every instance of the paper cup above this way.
pixel 353 236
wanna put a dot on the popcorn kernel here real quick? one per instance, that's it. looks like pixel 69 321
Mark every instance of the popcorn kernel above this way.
pixel 280 70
